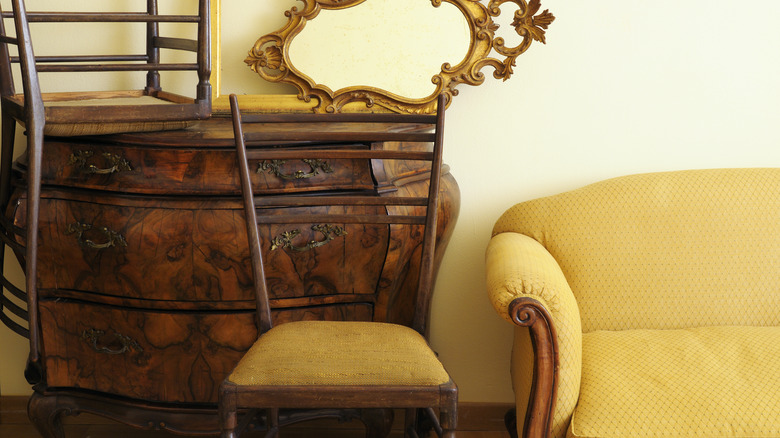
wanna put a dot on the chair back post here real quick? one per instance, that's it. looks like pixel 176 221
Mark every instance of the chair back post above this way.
pixel 33 100
pixel 8 123
pixel 204 52
pixel 264 322
pixel 6 73
pixel 426 279
pixel 34 123
pixel 152 51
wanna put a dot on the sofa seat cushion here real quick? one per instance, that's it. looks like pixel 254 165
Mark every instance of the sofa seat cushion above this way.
pixel 703 382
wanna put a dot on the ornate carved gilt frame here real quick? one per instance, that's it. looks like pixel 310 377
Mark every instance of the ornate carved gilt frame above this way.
pixel 269 57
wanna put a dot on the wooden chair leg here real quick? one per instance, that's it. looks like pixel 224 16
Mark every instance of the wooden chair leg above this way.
pixel 6 157
pixel 410 423
pixel 378 422
pixel 228 415
pixel 273 423
pixel 449 421
pixel 6 161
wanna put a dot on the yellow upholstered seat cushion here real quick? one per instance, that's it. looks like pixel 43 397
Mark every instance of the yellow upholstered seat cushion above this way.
pixel 340 353
pixel 703 382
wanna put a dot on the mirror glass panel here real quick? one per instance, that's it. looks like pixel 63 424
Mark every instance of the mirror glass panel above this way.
pixel 373 45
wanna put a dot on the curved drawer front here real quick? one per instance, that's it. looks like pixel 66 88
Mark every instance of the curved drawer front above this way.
pixel 129 169
pixel 178 254
pixel 155 356
pixel 310 260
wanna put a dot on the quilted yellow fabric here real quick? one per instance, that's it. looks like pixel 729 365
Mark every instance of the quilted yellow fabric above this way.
pixel 665 250
pixel 705 382
pixel 340 353
pixel 518 266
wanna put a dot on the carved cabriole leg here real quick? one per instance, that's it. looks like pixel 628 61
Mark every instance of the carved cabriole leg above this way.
pixel 46 409
pixel 527 312
pixel 45 413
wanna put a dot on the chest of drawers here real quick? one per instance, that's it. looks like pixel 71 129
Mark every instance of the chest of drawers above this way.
pixel 146 299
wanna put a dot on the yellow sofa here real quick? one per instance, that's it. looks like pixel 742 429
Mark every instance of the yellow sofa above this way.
pixel 645 306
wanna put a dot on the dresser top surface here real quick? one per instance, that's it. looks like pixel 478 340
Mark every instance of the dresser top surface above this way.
pixel 218 132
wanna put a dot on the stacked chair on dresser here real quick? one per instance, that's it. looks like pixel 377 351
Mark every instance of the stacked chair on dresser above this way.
pixel 84 112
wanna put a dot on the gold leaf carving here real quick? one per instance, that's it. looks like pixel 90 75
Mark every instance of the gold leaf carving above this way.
pixel 527 24
pixel 270 58
pixel 526 21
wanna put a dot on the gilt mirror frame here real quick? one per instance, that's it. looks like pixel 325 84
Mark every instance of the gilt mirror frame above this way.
pixel 269 58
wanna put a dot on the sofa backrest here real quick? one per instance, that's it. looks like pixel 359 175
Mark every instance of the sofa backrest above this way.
pixel 665 250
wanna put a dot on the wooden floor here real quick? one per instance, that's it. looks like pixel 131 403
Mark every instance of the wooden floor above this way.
pixel 108 431
pixel 120 431
pixel 481 421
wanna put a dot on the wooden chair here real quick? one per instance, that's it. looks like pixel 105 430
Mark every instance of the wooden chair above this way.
pixel 327 364
pixel 148 108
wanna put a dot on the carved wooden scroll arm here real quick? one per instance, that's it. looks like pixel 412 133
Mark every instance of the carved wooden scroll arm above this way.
pixel 527 312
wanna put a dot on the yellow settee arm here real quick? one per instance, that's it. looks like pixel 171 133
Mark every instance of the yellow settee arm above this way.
pixel 528 288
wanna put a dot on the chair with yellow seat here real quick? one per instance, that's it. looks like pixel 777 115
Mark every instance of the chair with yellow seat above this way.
pixel 87 112
pixel 645 306
pixel 340 364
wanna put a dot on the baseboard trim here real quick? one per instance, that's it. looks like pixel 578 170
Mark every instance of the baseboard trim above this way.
pixel 471 416
pixel 13 409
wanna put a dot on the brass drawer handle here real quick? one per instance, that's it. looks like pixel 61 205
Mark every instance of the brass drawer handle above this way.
pixel 112 237
pixel 274 167
pixel 93 336
pixel 285 239
pixel 116 163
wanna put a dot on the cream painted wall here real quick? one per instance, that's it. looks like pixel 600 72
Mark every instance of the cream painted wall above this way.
pixel 622 86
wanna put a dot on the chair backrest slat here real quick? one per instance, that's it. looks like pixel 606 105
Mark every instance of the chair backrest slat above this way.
pixel 339 118
pixel 343 218
pixel 336 154
pixel 352 137
pixel 86 58
pixel 184 44
pixel 99 17
pixel 71 68
pixel 291 201
pixel 370 136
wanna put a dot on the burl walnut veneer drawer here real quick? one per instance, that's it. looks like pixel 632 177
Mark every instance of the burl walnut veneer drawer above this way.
pixel 200 171
pixel 168 251
pixel 152 355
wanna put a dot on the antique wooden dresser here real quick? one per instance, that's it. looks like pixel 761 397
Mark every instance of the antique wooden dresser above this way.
pixel 145 292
